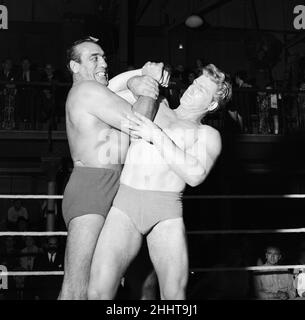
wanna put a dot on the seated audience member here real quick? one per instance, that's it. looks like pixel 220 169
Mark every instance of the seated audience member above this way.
pixel 28 253
pixel 15 212
pixel 274 284
pixel 233 121
pixel 51 259
pixel 300 273
pixel 7 73
pixel 27 258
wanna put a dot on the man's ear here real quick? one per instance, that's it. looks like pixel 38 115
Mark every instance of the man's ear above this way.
pixel 74 66
pixel 213 106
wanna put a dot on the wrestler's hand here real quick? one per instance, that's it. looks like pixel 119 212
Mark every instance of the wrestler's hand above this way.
pixel 154 70
pixel 143 86
pixel 142 127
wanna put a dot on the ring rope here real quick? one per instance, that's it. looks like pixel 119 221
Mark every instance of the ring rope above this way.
pixel 216 269
pixel 258 231
pixel 199 232
pixel 33 233
pixel 186 197
pixel 251 268
pixel 31 273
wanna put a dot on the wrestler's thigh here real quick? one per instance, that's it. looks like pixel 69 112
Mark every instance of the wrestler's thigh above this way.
pixel 168 250
pixel 118 243
pixel 83 233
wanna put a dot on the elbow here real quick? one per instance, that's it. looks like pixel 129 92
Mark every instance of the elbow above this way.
pixel 196 180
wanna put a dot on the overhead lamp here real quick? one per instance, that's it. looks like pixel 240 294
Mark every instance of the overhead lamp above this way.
pixel 194 21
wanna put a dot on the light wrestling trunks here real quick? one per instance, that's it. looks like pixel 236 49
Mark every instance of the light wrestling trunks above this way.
pixel 146 207
pixel 89 191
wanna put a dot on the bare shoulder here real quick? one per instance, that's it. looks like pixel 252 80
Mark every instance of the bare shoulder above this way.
pixel 87 88
pixel 210 137
pixel 86 93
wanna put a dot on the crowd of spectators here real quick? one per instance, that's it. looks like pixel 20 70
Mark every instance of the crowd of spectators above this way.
pixel 257 105
pixel 27 253
pixel 31 254
pixel 29 96
pixel 240 284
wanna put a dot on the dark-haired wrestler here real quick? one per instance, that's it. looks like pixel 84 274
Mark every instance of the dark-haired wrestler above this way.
pixel 94 117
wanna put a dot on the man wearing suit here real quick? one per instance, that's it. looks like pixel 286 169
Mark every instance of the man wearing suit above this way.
pixel 27 95
pixel 48 287
pixel 7 73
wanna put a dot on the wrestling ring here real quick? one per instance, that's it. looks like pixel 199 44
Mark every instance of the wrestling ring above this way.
pixel 189 233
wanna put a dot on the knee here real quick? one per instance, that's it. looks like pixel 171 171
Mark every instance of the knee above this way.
pixel 98 293
pixel 100 289
pixel 174 290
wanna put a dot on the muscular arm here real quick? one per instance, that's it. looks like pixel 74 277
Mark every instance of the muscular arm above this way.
pixel 109 107
pixel 194 164
pixel 119 82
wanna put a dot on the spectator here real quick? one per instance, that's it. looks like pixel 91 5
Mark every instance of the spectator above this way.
pixel 198 67
pixel 28 253
pixel 15 212
pixel 26 96
pixel 232 122
pixel 7 96
pixel 9 253
pixel 48 287
pixel 191 76
pixel 274 101
pixel 49 74
pixel 26 73
pixel 243 102
pixel 300 273
pixel 274 284
pixel 27 258
pixel 7 73
pixel 301 104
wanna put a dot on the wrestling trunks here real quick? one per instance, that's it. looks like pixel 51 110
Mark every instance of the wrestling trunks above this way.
pixel 148 207
pixel 89 191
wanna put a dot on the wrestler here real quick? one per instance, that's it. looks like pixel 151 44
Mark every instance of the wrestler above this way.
pixel 175 150
pixel 94 116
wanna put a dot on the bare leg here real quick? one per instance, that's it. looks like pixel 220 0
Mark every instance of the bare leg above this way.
pixel 168 253
pixel 83 233
pixel 118 244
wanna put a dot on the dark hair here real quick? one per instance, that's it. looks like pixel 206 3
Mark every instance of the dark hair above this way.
pixel 73 54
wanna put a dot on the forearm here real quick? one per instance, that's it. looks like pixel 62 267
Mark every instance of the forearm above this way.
pixel 146 106
pixel 119 82
pixel 186 166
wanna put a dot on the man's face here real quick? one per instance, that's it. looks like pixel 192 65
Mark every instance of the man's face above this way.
pixel 49 69
pixel 93 65
pixel 273 256
pixel 26 65
pixel 52 245
pixel 29 241
pixel 7 64
pixel 17 205
pixel 199 94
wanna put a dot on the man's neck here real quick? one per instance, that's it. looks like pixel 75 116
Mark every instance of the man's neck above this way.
pixel 185 114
